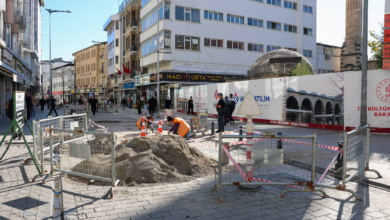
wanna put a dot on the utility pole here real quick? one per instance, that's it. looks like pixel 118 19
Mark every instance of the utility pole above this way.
pixel 363 106
pixel 158 61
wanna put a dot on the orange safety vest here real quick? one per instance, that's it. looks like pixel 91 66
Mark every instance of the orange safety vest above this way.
pixel 140 121
pixel 183 126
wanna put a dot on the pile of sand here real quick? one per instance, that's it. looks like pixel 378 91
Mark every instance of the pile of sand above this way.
pixel 156 159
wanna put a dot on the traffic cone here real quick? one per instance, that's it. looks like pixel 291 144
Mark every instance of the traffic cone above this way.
pixel 160 128
pixel 143 130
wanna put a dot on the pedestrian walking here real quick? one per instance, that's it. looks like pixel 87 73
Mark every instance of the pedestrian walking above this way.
pixel 93 102
pixel 139 106
pixel 48 102
pixel 232 107
pixel 221 113
pixel 52 106
pixel 190 106
pixel 111 100
pixel 28 105
pixel 34 103
pixel 152 105
pixel 123 102
pixel 227 116
pixel 168 103
pixel 42 103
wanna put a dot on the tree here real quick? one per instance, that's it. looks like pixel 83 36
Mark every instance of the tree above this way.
pixel 377 47
pixel 302 69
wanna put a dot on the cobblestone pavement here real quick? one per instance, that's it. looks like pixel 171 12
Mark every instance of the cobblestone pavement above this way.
pixel 197 199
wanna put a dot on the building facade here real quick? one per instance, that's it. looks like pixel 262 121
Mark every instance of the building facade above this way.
pixel 91 69
pixel 351 53
pixel 328 58
pixel 205 39
pixel 45 79
pixel 64 83
pixel 20 45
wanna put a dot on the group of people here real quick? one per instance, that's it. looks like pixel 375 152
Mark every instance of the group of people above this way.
pixel 180 126
pixel 225 108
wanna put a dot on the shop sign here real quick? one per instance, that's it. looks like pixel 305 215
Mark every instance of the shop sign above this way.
pixel 8 58
pixel 187 77
pixel 92 90
pixel 97 90
pixel 120 86
pixel 19 67
pixel 143 80
pixel 386 50
pixel 86 90
pixel 81 90
pixel 57 93
pixel 72 91
pixel 128 85
pixel 387 36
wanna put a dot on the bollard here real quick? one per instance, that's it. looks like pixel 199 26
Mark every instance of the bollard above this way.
pixel 212 128
pixel 240 139
pixel 192 125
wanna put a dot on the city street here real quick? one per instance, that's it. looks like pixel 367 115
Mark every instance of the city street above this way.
pixel 197 199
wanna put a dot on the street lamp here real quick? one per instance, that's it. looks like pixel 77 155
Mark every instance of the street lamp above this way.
pixel 52 11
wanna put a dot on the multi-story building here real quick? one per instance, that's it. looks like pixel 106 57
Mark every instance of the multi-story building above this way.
pixel 129 12
pixel 90 70
pixel 20 45
pixel 200 41
pixel 64 83
pixel 328 58
pixel 45 66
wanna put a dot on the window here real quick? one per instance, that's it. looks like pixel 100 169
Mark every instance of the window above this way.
pixel 144 2
pixel 255 47
pixel 117 25
pixel 255 22
pixel 235 19
pixel 308 31
pixel 150 19
pixel 290 28
pixel 275 2
pixel 187 43
pixel 8 35
pixel 290 5
pixel 307 53
pixel 187 14
pixel 274 25
pixel 288 48
pixel 213 16
pixel 116 42
pixel 213 43
pixel 235 45
pixel 165 40
pixel 308 9
pixel 116 59
pixel 149 46
pixel 271 48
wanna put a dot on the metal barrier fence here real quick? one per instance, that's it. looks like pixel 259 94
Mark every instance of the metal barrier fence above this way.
pixel 85 154
pixel 41 140
pixel 268 160
pixel 355 156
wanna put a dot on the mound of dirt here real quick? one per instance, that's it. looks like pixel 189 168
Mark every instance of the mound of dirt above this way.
pixel 156 159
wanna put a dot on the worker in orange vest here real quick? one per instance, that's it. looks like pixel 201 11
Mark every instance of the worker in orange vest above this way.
pixel 148 125
pixel 180 127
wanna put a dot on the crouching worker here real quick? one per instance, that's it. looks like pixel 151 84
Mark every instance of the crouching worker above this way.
pixel 143 120
pixel 180 127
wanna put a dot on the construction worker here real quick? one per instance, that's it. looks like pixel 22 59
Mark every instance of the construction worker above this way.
pixel 143 120
pixel 180 127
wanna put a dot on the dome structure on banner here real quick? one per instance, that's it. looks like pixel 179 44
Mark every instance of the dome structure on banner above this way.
pixel 279 63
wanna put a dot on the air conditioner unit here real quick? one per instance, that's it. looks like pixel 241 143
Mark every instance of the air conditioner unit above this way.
pixel 328 56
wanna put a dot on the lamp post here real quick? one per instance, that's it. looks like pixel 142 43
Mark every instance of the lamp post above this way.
pixel 52 11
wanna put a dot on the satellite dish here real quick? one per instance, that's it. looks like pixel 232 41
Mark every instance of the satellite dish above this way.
pixel 249 106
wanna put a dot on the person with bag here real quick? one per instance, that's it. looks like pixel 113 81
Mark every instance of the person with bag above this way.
pixel 221 109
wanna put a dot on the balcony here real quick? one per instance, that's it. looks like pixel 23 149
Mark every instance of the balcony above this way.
pixel 134 50
pixel 134 26
pixel 101 57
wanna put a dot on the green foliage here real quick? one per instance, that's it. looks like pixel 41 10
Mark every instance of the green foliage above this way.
pixel 302 69
pixel 377 47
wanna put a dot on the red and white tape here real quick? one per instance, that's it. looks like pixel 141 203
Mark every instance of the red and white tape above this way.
pixel 310 144
pixel 251 179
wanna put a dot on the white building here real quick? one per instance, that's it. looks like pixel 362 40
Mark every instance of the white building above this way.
pixel 224 37
pixel 328 58
pixel 112 27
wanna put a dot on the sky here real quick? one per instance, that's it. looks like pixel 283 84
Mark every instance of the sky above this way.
pixel 75 31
